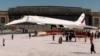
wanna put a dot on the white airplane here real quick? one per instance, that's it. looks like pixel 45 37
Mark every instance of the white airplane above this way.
pixel 79 24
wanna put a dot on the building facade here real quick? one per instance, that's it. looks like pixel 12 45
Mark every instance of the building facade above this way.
pixel 96 19
pixel 4 18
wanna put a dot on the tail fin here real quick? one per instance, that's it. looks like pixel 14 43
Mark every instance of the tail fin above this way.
pixel 81 19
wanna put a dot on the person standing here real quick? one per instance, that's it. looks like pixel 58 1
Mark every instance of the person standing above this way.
pixel 29 35
pixel 3 42
pixel 70 36
pixel 35 33
pixel 92 48
pixel 66 37
pixel 60 40
pixel 95 35
pixel 12 36
pixel 91 39
pixel 53 37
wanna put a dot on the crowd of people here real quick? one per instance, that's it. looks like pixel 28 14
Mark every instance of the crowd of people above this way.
pixel 69 35
pixel 94 34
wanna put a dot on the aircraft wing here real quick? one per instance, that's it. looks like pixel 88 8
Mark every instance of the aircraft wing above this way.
pixel 90 27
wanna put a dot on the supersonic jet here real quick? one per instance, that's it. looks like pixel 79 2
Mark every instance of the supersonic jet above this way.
pixel 78 24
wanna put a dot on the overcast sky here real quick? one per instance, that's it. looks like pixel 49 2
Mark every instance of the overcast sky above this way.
pixel 94 5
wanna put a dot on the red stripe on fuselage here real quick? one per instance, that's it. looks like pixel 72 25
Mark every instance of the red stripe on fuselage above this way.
pixel 83 21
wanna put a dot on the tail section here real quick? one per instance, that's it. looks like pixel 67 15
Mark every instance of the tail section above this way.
pixel 81 19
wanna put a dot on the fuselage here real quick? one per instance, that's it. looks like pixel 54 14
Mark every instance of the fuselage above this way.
pixel 47 20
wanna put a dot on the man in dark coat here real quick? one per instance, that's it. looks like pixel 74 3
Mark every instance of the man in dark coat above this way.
pixel 92 48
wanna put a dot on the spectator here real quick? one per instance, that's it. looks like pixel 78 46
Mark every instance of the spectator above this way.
pixel 3 42
pixel 91 39
pixel 29 35
pixel 53 37
pixel 92 48
pixel 12 36
pixel 60 40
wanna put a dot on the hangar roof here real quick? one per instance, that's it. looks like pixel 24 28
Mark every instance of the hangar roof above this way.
pixel 47 10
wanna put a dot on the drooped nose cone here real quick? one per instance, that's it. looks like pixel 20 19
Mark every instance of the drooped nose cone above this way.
pixel 21 20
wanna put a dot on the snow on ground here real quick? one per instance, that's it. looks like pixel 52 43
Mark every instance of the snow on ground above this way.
pixel 44 46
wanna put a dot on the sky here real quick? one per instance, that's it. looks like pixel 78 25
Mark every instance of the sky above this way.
pixel 94 5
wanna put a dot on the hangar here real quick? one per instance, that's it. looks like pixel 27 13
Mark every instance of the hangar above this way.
pixel 60 12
